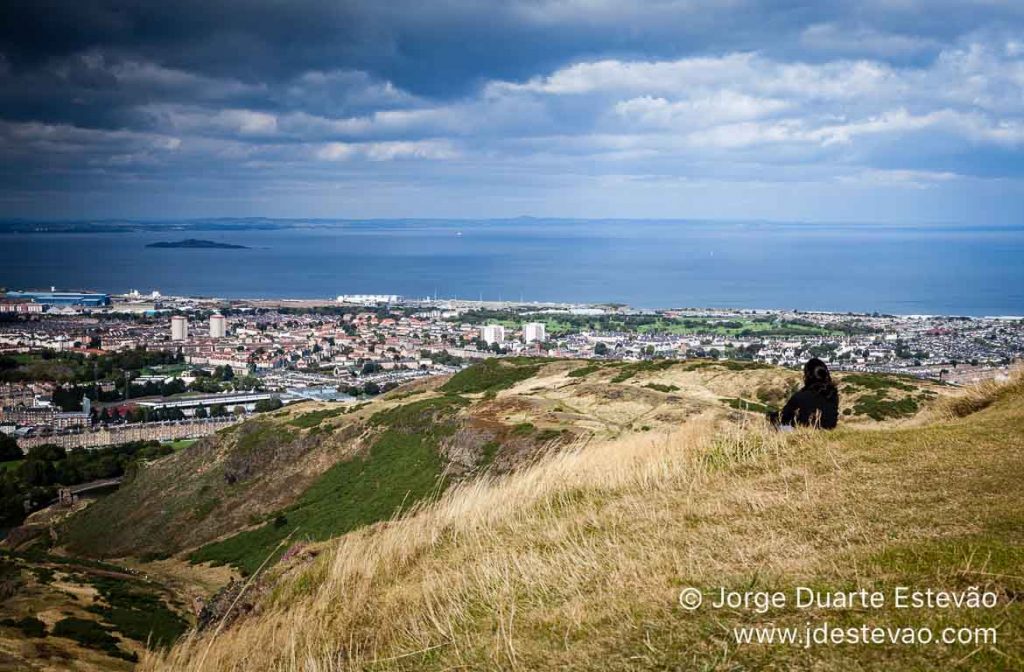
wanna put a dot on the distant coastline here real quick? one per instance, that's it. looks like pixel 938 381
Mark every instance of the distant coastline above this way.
pixel 646 264
pixel 195 243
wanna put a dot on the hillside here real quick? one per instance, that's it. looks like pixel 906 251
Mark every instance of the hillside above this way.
pixel 577 562
pixel 282 484
pixel 315 471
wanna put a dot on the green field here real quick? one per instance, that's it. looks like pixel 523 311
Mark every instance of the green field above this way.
pixel 651 324
pixel 728 328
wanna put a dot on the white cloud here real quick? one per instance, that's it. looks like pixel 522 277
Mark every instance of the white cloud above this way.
pixel 423 149
pixel 746 72
pixel 320 89
pixel 632 110
pixel 34 136
pixel 386 151
pixel 210 122
pixel 972 92
pixel 382 122
pixel 717 107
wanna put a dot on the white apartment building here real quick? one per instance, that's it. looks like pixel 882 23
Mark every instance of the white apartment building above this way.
pixel 492 333
pixel 179 328
pixel 218 326
pixel 534 332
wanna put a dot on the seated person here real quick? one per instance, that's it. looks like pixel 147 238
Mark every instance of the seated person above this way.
pixel 815 405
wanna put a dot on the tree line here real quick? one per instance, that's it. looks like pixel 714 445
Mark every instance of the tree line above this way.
pixel 30 481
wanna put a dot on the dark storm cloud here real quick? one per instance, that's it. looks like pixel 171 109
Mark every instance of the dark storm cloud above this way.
pixel 305 96
pixel 446 46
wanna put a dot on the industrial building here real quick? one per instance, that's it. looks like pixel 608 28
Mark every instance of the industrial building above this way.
pixel 189 404
pixel 54 298
pixel 218 326
pixel 492 333
pixel 534 332
pixel 368 299
pixel 179 328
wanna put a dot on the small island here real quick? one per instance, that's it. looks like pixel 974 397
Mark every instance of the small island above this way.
pixel 193 243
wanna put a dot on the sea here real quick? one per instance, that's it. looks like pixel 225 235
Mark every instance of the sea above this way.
pixel 895 269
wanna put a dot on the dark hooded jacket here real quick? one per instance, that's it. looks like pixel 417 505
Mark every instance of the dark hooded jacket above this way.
pixel 814 405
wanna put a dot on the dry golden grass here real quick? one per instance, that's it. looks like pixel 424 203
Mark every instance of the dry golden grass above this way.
pixel 476 519
pixel 575 562
pixel 976 397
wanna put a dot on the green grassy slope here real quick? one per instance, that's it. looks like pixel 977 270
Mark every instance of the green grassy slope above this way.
pixel 217 485
pixel 401 469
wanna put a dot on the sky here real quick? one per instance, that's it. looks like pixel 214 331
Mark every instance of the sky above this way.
pixel 876 111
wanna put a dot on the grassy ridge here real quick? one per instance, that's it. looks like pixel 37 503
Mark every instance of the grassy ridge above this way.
pixel 254 471
pixel 577 563
pixel 401 469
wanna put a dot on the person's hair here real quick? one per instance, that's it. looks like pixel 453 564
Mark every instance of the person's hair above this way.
pixel 817 377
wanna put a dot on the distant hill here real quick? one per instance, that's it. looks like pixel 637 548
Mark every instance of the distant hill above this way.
pixel 195 243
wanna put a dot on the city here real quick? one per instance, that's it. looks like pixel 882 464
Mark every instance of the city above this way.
pixel 90 369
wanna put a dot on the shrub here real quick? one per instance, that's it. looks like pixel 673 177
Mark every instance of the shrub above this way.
pixel 730 364
pixel 30 626
pixel 314 418
pixel 92 635
pixel 523 429
pixel 877 407
pixel 491 375
pixel 546 435
pixel 877 382
pixel 744 405
pixel 137 612
pixel 584 371
pixel 487 453
pixel 267 405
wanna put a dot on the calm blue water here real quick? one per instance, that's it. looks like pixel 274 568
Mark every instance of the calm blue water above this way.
pixel 970 271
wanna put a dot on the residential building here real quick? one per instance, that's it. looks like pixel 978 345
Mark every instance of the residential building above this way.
pixel 218 326
pixel 179 328
pixel 492 333
pixel 534 332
